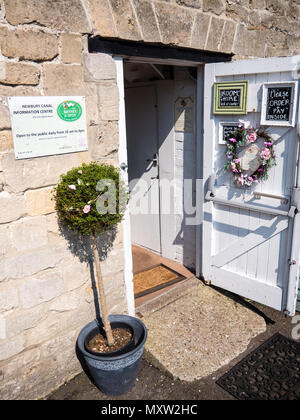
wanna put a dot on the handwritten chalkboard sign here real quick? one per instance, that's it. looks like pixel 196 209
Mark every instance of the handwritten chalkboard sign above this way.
pixel 278 106
pixel 279 103
pixel 230 97
pixel 226 131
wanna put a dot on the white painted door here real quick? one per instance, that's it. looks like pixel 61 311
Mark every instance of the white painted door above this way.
pixel 143 166
pixel 248 241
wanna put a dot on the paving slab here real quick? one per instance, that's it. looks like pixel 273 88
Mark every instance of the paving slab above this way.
pixel 195 333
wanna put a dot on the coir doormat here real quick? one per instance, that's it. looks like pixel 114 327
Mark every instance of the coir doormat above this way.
pixel 153 279
pixel 271 372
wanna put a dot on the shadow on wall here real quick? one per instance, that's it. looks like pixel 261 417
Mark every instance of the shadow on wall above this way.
pixel 80 247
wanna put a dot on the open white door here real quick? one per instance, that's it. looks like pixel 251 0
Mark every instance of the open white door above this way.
pixel 251 242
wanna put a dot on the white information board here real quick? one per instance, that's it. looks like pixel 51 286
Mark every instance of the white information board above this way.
pixel 48 125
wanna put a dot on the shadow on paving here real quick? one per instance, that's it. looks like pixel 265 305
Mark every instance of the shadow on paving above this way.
pixel 152 384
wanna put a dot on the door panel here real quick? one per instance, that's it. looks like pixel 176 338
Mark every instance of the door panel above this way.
pixel 142 144
pixel 247 252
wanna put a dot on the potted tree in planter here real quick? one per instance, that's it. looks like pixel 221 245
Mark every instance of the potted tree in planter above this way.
pixel 90 200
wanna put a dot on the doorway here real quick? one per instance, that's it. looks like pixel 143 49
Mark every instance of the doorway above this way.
pixel 160 104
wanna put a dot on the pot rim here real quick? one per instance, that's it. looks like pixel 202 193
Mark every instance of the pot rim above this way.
pixel 88 327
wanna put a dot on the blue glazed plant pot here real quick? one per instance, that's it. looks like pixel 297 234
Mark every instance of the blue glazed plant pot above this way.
pixel 115 375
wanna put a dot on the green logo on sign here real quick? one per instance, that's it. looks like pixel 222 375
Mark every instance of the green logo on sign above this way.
pixel 69 111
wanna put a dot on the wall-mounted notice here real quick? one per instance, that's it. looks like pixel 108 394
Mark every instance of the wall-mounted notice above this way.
pixel 48 125
pixel 231 97
pixel 226 130
pixel 279 104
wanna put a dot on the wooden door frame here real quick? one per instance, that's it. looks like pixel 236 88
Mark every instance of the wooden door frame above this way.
pixel 122 156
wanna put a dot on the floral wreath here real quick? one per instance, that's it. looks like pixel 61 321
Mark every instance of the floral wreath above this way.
pixel 245 135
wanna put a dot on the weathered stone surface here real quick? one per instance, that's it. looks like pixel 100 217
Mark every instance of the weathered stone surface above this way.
pixel 29 233
pixel 101 17
pixel 54 346
pixel 63 79
pixel 254 19
pixel 19 74
pixel 9 348
pixel 200 32
pixel 200 310
pixel 6 91
pixel 114 263
pixel 21 321
pixel 175 24
pixel 228 37
pixel 125 20
pixel 4 117
pixel 147 21
pixel 4 240
pixel 6 141
pixel 66 302
pixel 35 173
pixel 98 67
pixel 109 101
pixel 258 4
pixel 40 201
pixel 215 34
pixel 68 15
pixel 237 12
pixel 105 139
pixel 14 207
pixel 71 48
pixel 56 324
pixel 52 223
pixel 28 45
pixel 42 288
pixel 26 359
pixel 8 297
pixel 214 6
pixel 76 275
pixel 249 43
pixel 190 3
pixel 92 106
pixel 29 263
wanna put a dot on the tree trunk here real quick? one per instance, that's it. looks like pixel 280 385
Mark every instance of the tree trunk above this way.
pixel 102 298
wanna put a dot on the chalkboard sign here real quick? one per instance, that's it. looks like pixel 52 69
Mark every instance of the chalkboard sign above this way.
pixel 279 102
pixel 231 98
pixel 226 131
pixel 278 106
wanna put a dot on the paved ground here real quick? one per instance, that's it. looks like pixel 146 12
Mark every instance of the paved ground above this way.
pixel 154 384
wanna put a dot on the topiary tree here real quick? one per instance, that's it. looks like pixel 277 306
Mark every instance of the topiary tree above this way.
pixel 91 199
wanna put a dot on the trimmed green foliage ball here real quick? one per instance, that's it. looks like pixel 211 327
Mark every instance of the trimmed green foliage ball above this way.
pixel 76 198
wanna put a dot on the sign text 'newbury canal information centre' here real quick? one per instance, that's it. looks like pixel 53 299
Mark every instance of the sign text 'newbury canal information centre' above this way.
pixel 48 125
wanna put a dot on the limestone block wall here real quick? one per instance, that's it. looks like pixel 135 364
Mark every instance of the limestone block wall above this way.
pixel 46 294
pixel 247 28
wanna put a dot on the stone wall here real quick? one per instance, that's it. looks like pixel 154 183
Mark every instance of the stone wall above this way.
pixel 247 28
pixel 46 294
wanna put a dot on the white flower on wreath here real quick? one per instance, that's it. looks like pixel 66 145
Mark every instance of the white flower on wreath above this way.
pixel 245 124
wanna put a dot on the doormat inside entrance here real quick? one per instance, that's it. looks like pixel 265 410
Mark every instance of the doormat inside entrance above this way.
pixel 271 372
pixel 154 279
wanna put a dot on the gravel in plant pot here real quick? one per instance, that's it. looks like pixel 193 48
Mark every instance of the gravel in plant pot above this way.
pixel 91 200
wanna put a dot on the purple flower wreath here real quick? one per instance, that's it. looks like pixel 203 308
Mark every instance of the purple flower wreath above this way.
pixel 244 136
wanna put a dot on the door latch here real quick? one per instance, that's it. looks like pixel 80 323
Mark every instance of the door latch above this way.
pixel 154 160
